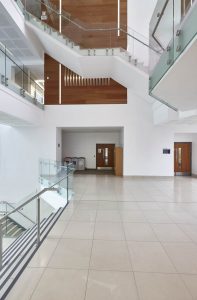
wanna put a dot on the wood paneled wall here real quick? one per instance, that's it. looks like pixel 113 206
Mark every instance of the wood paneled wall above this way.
pixel 91 15
pixel 51 77
pixel 75 91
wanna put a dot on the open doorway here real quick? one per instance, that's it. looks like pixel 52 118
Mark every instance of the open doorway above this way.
pixel 95 147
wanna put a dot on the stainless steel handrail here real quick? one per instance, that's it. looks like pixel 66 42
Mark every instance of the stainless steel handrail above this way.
pixel 51 188
pixel 37 196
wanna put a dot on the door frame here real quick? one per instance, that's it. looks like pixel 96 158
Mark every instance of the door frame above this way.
pixel 184 173
pixel 104 168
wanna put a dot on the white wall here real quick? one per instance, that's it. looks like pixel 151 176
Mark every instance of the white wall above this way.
pixel 189 137
pixel 143 142
pixel 58 144
pixel 20 151
pixel 139 14
pixel 83 144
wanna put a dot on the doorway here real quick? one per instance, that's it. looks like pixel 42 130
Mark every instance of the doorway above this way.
pixel 182 158
pixel 105 156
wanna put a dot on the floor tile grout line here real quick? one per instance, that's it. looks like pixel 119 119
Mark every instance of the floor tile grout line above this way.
pixel 88 272
pixel 131 263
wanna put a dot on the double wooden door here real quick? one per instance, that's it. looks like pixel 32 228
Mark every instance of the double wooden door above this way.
pixel 105 156
pixel 182 158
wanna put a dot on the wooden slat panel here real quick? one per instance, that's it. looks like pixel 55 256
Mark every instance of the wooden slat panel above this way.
pixel 85 92
pixel 109 93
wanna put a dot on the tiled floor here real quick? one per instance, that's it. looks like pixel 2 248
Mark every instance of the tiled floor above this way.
pixel 119 239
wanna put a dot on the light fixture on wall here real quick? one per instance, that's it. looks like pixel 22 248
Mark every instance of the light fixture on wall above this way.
pixel 118 19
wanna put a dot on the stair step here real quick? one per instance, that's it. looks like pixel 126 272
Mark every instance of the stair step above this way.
pixel 16 264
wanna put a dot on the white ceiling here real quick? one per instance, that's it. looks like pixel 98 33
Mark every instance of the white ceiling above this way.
pixel 15 41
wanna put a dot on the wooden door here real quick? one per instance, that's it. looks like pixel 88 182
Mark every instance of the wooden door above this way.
pixel 105 156
pixel 182 158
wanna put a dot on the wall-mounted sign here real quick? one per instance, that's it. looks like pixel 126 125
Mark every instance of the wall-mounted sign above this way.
pixel 166 151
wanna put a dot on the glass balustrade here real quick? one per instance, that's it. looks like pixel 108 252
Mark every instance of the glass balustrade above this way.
pixel 52 171
pixel 20 217
pixel 172 28
pixel 88 39
pixel 14 76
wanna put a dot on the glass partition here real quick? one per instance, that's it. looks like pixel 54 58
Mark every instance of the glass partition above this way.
pixel 172 28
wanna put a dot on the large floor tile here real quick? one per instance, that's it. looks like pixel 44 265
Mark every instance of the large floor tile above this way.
pixel 110 255
pixel 92 205
pixel 170 233
pixel 183 256
pixel 182 218
pixel 109 231
pixel 44 253
pixel 126 205
pixel 26 284
pixel 108 285
pixel 152 206
pixel 149 257
pixel 132 216
pixel 61 284
pixel 58 229
pixel 157 217
pixel 108 216
pixel 67 214
pixel 84 215
pixel 71 254
pixel 190 230
pixel 79 230
pixel 153 286
pixel 191 283
pixel 107 205
pixel 139 232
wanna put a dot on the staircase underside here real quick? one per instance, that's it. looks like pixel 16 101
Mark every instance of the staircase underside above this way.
pixel 98 66
pixel 178 85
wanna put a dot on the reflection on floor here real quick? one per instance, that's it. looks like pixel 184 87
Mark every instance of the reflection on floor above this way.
pixel 119 239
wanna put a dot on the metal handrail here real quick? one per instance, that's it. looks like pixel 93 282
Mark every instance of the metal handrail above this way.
pixel 9 204
pixel 51 188
pixel 92 29
pixel 37 196
pixel 6 52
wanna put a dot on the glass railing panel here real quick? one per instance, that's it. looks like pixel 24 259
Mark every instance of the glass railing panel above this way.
pixel 2 65
pixel 186 30
pixel 14 76
pixel 38 92
pixel 172 28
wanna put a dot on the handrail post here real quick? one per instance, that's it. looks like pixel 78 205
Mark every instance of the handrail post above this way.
pixel 1 245
pixel 38 221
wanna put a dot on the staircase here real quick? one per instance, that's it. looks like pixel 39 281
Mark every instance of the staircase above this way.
pixel 18 254
pixel 11 229
pixel 125 66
